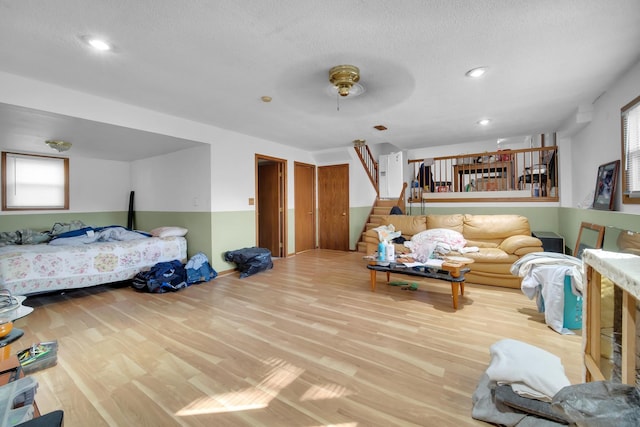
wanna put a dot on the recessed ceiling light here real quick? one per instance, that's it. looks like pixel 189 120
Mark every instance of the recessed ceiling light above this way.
pixel 484 122
pixel 99 44
pixel 476 72
pixel 266 98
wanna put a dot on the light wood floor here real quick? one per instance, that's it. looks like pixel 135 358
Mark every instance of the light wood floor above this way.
pixel 305 344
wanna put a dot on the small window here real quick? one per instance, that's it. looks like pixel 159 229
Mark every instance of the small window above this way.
pixel 31 182
pixel 631 152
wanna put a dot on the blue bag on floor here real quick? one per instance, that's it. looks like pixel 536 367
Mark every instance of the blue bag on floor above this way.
pixel 199 269
pixel 163 277
pixel 250 260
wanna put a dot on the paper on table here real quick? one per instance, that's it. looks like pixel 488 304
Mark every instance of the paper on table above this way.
pixel 429 263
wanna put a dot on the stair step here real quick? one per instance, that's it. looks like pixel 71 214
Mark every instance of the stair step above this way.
pixel 387 202
pixel 362 247
pixel 381 210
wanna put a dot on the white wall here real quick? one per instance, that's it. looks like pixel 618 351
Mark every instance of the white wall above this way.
pixel 600 141
pixel 233 169
pixel 513 143
pixel 176 182
pixel 231 158
pixel 98 185
pixel 39 95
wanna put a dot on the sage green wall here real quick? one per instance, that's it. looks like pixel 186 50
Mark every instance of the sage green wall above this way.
pixel 198 224
pixel 540 218
pixel 231 231
pixel 571 218
pixel 44 221
pixel 291 232
pixel 358 217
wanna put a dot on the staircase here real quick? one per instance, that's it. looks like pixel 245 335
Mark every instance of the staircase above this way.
pixel 381 206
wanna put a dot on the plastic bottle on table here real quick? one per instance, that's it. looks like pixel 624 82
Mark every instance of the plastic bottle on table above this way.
pixel 382 253
pixel 391 252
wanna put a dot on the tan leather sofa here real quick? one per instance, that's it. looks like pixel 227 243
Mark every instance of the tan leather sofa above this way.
pixel 501 239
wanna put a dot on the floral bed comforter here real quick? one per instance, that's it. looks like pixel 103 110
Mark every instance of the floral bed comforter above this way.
pixel 31 269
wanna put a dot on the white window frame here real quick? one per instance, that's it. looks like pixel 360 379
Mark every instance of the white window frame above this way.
pixel 24 189
pixel 630 119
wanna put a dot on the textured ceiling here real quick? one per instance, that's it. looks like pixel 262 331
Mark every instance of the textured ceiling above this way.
pixel 212 61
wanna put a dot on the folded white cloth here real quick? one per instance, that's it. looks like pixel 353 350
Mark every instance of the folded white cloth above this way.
pixel 387 232
pixel 531 371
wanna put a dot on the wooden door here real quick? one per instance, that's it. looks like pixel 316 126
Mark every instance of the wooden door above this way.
pixel 269 197
pixel 333 207
pixel 305 206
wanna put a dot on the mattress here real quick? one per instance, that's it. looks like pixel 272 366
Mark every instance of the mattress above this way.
pixel 32 269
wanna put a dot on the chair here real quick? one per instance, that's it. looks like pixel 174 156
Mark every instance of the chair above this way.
pixel 540 174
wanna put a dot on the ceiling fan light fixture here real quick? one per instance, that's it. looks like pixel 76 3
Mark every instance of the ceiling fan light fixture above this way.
pixel 58 145
pixel 359 142
pixel 344 77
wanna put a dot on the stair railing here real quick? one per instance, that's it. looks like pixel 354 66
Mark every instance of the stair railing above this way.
pixel 402 204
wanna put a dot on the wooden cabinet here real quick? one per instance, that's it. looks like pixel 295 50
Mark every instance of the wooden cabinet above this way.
pixel 623 270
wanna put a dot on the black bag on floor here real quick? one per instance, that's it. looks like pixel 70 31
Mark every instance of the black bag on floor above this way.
pixel 163 277
pixel 250 261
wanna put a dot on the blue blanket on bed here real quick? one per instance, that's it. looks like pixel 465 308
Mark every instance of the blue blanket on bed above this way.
pixel 111 233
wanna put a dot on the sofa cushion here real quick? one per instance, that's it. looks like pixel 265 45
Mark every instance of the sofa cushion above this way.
pixel 513 243
pixel 493 268
pixel 408 225
pixel 480 244
pixel 490 255
pixel 527 250
pixel 451 222
pixel 494 228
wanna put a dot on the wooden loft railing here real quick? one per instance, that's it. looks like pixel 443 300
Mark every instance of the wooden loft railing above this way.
pixel 370 165
pixel 507 175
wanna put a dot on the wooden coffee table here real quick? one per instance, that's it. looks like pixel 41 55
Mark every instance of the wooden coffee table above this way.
pixel 451 271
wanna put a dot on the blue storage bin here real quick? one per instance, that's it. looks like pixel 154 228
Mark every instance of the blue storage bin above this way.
pixel 572 318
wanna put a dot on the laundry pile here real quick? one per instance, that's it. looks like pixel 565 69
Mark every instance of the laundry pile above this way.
pixel 525 386
pixel 543 278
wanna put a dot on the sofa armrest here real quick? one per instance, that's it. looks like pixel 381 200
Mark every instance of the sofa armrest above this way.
pixel 518 243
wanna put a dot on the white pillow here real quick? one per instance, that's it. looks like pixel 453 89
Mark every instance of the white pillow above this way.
pixel 442 235
pixel 169 232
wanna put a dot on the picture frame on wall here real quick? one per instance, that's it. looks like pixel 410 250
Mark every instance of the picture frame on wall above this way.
pixel 604 195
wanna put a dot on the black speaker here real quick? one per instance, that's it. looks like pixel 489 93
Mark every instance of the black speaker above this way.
pixel 551 242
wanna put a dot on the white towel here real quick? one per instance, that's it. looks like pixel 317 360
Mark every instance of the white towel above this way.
pixel 531 371
pixel 387 233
